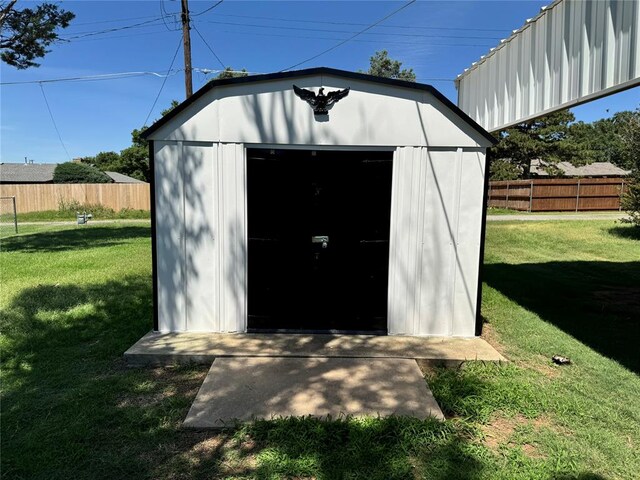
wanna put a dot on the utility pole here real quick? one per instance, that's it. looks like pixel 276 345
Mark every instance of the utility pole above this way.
pixel 186 40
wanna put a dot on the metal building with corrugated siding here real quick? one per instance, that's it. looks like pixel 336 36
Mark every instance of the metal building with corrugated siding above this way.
pixel 282 211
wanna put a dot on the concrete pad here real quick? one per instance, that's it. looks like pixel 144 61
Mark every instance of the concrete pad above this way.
pixel 169 348
pixel 243 389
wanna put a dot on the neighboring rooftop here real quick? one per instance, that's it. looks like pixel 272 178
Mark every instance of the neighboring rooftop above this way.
pixel 595 169
pixel 120 178
pixel 26 172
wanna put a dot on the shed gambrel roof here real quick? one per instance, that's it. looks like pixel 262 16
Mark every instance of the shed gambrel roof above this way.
pixel 317 71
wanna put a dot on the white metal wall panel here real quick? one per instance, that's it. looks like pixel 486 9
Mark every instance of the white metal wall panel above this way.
pixel 572 52
pixel 170 236
pixel 436 216
pixel 232 237
pixel 270 113
pixel 201 230
pixel 467 243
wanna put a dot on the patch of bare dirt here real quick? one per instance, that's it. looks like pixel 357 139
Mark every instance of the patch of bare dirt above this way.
pixel 543 365
pixel 500 431
pixel 489 334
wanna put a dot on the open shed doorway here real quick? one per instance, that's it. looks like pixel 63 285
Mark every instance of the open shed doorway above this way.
pixel 318 228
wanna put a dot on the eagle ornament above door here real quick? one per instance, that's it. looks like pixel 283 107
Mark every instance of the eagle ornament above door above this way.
pixel 320 102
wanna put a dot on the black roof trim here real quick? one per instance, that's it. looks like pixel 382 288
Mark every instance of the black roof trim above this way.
pixel 318 71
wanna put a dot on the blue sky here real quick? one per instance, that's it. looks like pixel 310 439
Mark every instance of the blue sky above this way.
pixel 438 39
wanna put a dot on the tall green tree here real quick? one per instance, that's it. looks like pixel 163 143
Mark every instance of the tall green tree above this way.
pixel 545 138
pixel 630 139
pixel 25 34
pixel 381 65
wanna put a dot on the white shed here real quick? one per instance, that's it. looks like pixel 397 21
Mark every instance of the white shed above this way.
pixel 362 215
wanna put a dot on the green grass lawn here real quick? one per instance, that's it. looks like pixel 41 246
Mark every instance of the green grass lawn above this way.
pixel 72 299
pixel 69 215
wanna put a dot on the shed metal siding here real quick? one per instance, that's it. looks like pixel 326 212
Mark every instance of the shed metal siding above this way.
pixel 572 52
pixel 436 216
pixel 270 113
pixel 435 240
pixel 170 236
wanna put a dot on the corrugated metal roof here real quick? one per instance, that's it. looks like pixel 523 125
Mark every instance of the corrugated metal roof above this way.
pixel 26 172
pixel 595 169
pixel 120 178
pixel 570 53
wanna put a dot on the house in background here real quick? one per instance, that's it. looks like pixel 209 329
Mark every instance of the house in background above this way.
pixel 120 178
pixel 593 170
pixel 28 173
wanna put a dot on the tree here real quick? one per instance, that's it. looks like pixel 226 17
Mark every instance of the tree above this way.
pixel 381 65
pixel 501 169
pixel 133 160
pixel 601 140
pixel 630 139
pixel 545 138
pixel 229 72
pixel 71 172
pixel 25 34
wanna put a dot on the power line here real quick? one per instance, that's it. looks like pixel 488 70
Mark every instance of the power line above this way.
pixel 54 122
pixel 421 27
pixel 352 37
pixel 163 81
pixel 109 37
pixel 89 78
pixel 114 20
pixel 207 10
pixel 114 29
pixel 386 42
pixel 417 35
pixel 165 14
pixel 208 46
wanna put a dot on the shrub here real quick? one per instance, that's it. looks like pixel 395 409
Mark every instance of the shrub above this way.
pixel 79 173
pixel 631 202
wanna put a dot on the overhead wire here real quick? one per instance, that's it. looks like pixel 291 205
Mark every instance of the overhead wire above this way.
pixel 416 35
pixel 164 14
pixel 55 126
pixel 410 2
pixel 163 81
pixel 207 44
pixel 88 78
pixel 146 23
pixel 386 42
pixel 327 22
pixel 207 10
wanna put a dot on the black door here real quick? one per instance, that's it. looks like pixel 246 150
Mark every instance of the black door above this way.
pixel 318 227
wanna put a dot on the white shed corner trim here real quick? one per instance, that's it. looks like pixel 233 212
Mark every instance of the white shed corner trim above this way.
pixel 276 210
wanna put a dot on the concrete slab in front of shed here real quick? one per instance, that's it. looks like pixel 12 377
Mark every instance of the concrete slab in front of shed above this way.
pixel 241 389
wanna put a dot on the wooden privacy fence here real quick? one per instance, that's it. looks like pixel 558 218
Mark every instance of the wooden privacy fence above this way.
pixel 557 194
pixel 38 197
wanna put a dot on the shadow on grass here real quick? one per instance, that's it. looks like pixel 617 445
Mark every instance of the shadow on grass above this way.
pixel 71 409
pixel 597 303
pixel 72 239
pixel 632 233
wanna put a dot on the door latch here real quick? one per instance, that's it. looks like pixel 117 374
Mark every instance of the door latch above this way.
pixel 322 239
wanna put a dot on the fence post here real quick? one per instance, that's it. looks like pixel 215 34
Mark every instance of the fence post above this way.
pixel 506 205
pixel 15 215
pixel 530 195
pixel 621 195
pixel 578 195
